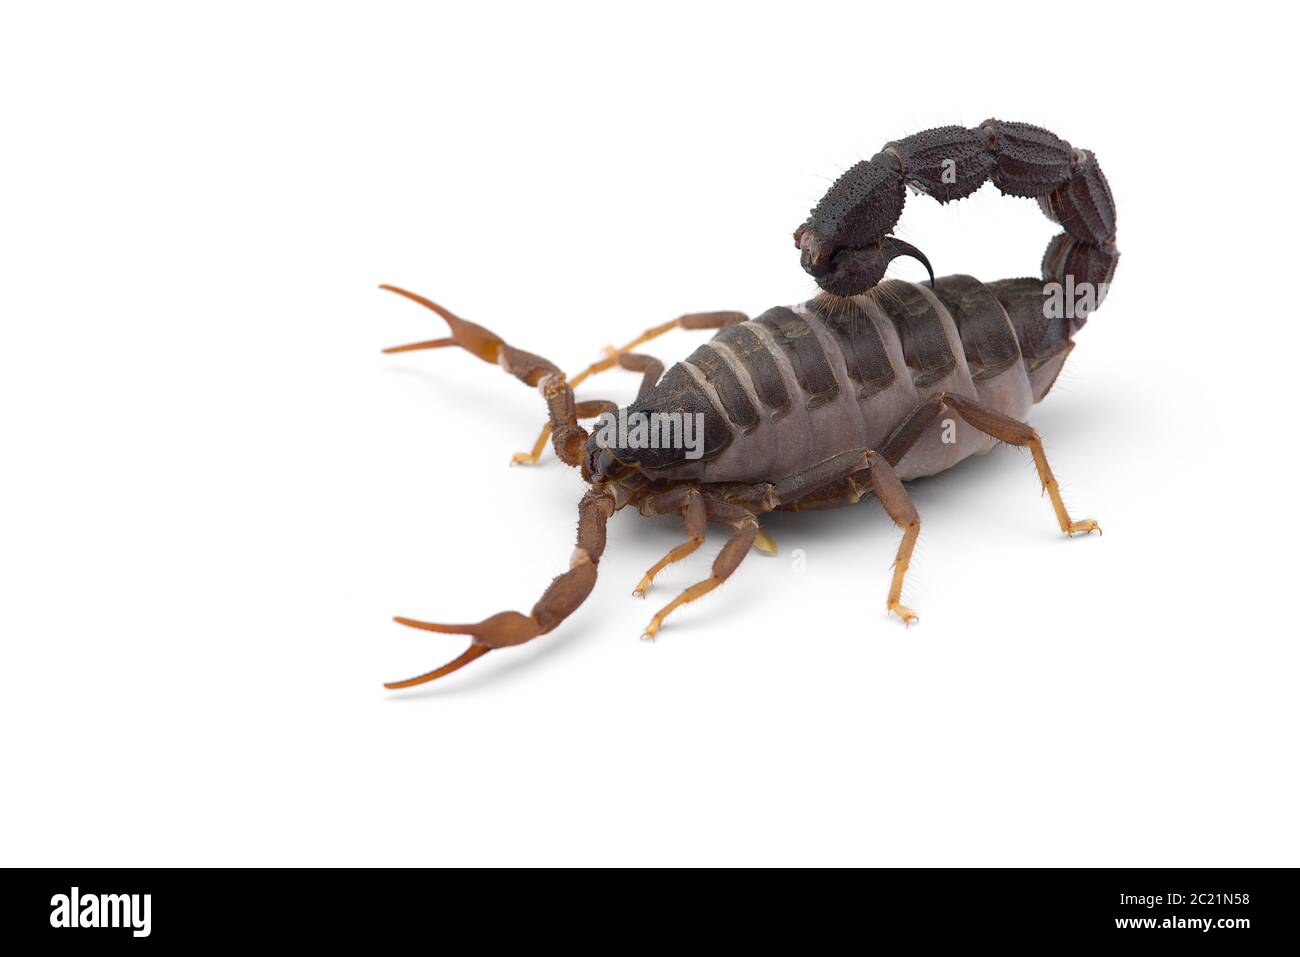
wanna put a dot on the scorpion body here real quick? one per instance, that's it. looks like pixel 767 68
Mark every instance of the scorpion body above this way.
pixel 817 405
pixel 807 383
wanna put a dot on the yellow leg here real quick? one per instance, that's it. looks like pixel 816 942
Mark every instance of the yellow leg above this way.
pixel 728 559
pixel 898 505
pixel 674 555
pixel 528 458
pixel 901 562
pixel 696 519
pixel 695 591
pixel 1068 525
pixel 1009 430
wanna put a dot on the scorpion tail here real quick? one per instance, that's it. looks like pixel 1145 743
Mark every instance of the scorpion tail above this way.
pixel 567 436
pixel 845 240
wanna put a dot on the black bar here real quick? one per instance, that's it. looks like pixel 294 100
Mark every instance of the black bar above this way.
pixel 1222 908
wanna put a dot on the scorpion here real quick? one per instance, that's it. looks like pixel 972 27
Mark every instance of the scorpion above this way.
pixel 819 404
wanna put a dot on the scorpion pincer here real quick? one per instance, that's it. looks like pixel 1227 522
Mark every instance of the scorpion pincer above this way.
pixel 869 384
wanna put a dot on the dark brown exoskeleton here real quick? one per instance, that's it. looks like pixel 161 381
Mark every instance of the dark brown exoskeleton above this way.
pixel 853 392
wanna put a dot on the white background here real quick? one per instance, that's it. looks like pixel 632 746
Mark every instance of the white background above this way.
pixel 216 491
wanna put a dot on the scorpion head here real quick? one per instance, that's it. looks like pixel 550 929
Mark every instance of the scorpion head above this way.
pixel 600 464
pixel 669 431
pixel 851 271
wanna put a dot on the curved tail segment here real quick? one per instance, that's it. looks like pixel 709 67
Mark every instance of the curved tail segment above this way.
pixel 845 243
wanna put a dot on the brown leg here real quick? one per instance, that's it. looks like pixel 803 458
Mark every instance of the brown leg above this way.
pixel 913 427
pixel 650 367
pixel 593 408
pixel 694 320
pixel 755 497
pixel 560 599
pixel 732 554
pixel 799 490
pixel 1014 432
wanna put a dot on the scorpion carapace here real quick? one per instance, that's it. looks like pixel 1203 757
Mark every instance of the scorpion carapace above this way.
pixel 864 386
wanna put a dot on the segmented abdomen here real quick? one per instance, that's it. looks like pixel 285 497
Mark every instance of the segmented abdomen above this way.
pixel 799 385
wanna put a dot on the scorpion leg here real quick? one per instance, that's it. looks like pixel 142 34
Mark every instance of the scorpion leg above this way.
pixel 592 408
pixel 763 542
pixel 687 500
pixel 693 320
pixel 1014 432
pixel 560 599
pixel 840 480
pixel 567 436
pixel 998 426
pixel 732 554
pixel 650 368
pixel 754 497
pixel 898 505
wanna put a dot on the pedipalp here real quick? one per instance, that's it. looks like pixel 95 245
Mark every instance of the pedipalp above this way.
pixel 561 598
pixel 613 357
